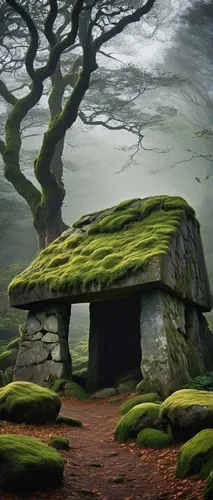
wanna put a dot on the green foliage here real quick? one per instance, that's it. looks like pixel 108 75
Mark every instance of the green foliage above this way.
pixel 138 418
pixel 116 244
pixel 142 398
pixel 8 375
pixel 27 402
pixel 59 442
pixel 208 491
pixel 2 379
pixel 68 388
pixel 202 382
pixel 153 438
pixel 8 358
pixel 79 355
pixel 27 464
pixel 10 319
pixel 196 455
pixel 74 422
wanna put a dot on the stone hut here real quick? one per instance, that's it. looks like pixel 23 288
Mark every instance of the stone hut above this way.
pixel 141 267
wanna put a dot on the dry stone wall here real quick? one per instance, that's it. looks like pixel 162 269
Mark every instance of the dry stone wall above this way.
pixel 44 352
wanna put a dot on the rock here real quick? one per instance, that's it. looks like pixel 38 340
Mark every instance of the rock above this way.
pixel 143 398
pixel 28 464
pixel 104 393
pixel 41 373
pixel 50 338
pixel 51 324
pixel 130 375
pixel 138 418
pixel 196 455
pixel 31 353
pixel 187 412
pixel 139 387
pixel 74 422
pixel 33 325
pixel 29 403
pixel 153 438
pixel 37 336
pixel 118 479
pixel 59 442
pixel 74 390
pixel 127 386
pixel 164 349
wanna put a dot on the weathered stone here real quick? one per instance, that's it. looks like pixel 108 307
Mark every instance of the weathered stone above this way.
pixel 163 343
pixel 51 324
pixel 50 337
pixel 37 336
pixel 33 325
pixel 56 353
pixel 31 353
pixel 41 374
pixel 104 393
pixel 39 353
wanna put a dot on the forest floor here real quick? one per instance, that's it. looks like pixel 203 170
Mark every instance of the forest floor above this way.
pixel 96 467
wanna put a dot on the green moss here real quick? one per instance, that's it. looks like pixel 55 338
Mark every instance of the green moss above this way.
pixel 153 438
pixel 141 416
pixel 8 358
pixel 59 442
pixel 208 491
pixel 119 241
pixel 27 464
pixel 143 398
pixel 74 422
pixel 196 455
pixel 27 402
pixel 8 375
pixel 202 382
pixel 14 343
pixel 74 390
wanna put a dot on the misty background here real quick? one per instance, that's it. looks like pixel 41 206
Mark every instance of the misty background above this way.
pixel 176 157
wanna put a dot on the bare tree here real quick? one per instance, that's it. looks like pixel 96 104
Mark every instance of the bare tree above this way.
pixel 89 25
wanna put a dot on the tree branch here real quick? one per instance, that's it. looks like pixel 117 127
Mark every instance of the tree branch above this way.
pixel 125 21
pixel 6 94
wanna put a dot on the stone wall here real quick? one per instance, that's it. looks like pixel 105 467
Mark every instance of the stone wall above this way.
pixel 44 351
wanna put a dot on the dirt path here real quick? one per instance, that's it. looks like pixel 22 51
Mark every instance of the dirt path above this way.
pixel 98 468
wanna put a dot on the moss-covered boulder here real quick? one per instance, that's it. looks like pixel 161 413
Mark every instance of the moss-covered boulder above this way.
pixel 150 397
pixel 27 464
pixel 196 455
pixel 138 418
pixel 127 386
pixel 153 438
pixel 208 491
pixel 187 412
pixel 27 402
pixel 68 388
pixel 59 442
pixel 74 422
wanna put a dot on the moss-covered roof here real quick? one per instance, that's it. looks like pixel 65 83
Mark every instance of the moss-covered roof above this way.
pixel 106 247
